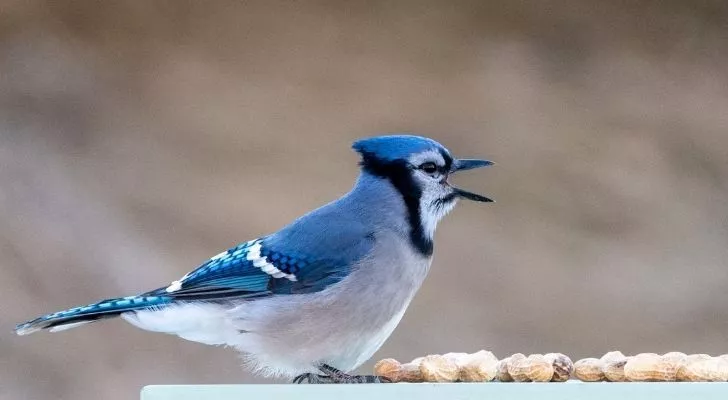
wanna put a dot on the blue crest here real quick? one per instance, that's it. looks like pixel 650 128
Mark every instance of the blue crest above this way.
pixel 396 147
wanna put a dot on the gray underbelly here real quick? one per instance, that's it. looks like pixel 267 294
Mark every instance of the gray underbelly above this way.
pixel 343 325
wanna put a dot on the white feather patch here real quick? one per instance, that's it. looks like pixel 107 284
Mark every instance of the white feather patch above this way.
pixel 269 269
pixel 429 155
pixel 174 286
pixel 262 263
pixel 198 322
pixel 72 325
pixel 253 252
pixel 430 214
pixel 27 330
pixel 253 255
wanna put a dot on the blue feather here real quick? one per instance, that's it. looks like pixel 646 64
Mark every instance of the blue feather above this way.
pixel 92 312
pixel 396 147
pixel 284 267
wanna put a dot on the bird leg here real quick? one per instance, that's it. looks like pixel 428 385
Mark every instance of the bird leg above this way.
pixel 338 376
pixel 333 375
pixel 312 378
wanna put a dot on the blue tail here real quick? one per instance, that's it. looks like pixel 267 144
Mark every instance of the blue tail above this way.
pixel 73 317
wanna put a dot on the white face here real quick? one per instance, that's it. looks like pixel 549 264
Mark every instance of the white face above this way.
pixel 437 198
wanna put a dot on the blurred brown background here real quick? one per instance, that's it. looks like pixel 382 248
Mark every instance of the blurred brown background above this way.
pixel 139 138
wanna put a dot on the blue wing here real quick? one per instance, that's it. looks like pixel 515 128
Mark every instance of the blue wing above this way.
pixel 228 274
pixel 307 256
pixel 263 267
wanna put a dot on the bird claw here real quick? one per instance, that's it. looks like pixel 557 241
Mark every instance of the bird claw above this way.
pixel 311 378
pixel 339 378
pixel 367 379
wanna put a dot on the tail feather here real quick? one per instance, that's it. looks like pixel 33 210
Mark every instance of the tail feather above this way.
pixel 77 316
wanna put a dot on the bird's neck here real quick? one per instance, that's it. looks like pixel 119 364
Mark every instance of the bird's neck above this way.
pixel 379 200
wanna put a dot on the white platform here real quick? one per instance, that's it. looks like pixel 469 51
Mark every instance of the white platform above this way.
pixel 572 390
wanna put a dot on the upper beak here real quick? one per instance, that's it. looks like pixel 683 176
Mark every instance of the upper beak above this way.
pixel 463 165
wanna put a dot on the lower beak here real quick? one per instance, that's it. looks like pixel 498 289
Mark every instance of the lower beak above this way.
pixel 472 196
pixel 464 165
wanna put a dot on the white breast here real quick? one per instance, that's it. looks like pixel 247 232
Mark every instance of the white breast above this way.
pixel 374 342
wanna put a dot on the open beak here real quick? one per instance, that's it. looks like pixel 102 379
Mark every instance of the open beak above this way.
pixel 464 165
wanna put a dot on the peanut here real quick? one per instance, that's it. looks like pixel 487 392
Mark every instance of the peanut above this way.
pixel 589 370
pixel 502 370
pixel 517 368
pixel 714 369
pixel 478 367
pixel 563 367
pixel 397 372
pixel 613 366
pixel 437 368
pixel 676 356
pixel 650 367
pixel 538 369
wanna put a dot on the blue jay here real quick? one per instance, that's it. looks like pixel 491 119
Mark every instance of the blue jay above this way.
pixel 316 299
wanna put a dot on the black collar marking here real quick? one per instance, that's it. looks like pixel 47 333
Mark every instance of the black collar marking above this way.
pixel 399 173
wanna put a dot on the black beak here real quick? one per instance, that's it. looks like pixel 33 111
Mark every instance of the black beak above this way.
pixel 464 165
pixel 472 196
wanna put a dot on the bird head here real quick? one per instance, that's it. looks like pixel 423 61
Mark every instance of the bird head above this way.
pixel 419 169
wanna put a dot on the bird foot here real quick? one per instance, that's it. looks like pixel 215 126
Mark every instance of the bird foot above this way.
pixel 338 378
pixel 309 378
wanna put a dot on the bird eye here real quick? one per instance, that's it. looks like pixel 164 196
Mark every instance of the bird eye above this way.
pixel 429 167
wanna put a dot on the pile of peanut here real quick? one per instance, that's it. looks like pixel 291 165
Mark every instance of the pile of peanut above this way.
pixel 614 366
